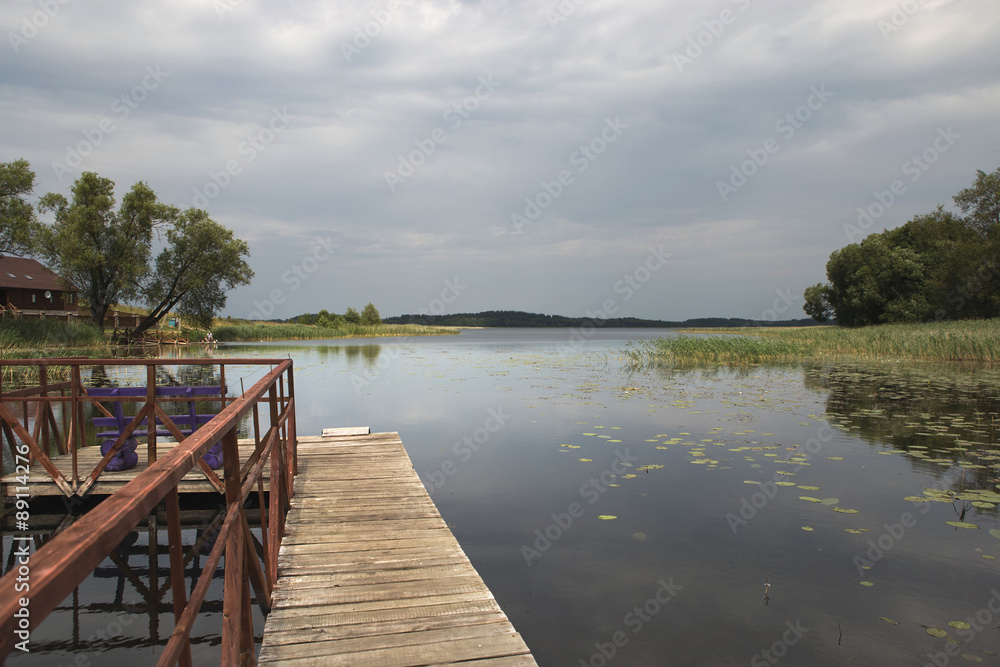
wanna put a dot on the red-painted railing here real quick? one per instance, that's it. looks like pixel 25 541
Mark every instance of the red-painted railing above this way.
pixel 67 559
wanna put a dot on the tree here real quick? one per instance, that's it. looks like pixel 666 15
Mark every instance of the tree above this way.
pixel 981 203
pixel 102 251
pixel 370 315
pixel 201 262
pixel 352 316
pixel 16 215
pixel 817 304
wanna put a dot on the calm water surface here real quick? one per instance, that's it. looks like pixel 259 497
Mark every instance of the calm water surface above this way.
pixel 700 517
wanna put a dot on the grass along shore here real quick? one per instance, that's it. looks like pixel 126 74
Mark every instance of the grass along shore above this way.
pixel 261 331
pixel 966 340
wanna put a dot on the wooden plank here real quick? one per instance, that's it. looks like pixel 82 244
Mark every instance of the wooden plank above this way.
pixel 349 430
pixel 370 574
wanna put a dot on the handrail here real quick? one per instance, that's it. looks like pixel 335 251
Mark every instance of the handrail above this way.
pixel 66 560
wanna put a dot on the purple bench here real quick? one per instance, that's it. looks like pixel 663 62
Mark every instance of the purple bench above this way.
pixel 187 423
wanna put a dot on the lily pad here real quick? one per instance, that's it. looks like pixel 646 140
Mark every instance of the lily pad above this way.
pixel 808 488
pixel 988 557
pixel 836 458
pixel 830 501
pixel 867 583
pixel 937 632
pixel 810 499
pixel 639 536
pixel 784 483
pixel 606 517
pixel 962 524
pixel 995 533
pixel 888 620
pixel 844 511
pixel 959 625
pixel 808 529
pixel 983 505
pixel 586 460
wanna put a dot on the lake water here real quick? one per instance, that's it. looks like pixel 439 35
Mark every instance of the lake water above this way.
pixel 827 514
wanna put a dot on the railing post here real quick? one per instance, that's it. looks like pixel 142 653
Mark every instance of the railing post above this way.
pixel 233 588
pixel 176 547
pixel 151 413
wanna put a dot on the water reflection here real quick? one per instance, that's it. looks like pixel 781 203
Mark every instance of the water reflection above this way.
pixel 124 609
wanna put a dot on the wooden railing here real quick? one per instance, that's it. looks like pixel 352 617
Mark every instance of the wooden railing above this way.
pixel 66 560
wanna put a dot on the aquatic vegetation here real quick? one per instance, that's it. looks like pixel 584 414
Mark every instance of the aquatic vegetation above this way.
pixel 966 340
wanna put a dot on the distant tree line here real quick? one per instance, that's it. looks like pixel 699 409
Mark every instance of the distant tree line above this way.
pixel 938 266
pixel 516 318
pixel 327 320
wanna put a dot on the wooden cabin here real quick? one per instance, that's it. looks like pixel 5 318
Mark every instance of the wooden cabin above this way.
pixel 29 289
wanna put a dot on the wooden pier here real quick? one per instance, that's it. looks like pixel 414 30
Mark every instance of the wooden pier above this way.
pixel 370 574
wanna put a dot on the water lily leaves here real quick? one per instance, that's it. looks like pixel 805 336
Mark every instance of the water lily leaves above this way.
pixel 937 632
pixel 750 481
pixel 590 434
pixel 959 625
pixel 995 533
pixel 606 517
pixel 962 524
pixel 917 499
pixel 808 488
pixel 836 458
pixel 972 658
pixel 844 511
pixel 810 499
pixel 808 529
pixel 888 620
pixel 830 501
pixel 586 460
pixel 981 504
pixel 867 583
pixel 784 483
pixel 988 557
pixel 650 466
pixel 639 536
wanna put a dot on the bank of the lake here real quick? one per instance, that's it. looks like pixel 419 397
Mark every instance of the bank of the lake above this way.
pixel 253 332
pixel 961 341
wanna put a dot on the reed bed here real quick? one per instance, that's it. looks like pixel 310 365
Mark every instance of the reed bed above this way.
pixel 255 331
pixel 26 334
pixel 966 340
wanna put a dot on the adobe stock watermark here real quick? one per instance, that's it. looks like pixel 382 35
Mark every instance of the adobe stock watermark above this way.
pixel 561 12
pixel 121 108
pixel 450 293
pixel 900 16
pixel 591 491
pixel 629 284
pixel 365 34
pixel 455 116
pixel 893 534
pixel 698 43
pixel 635 620
pixel 786 127
pixel 581 158
pixel 779 649
pixel 465 448
pixel 248 150
pixel 32 24
pixel 752 505
pixel 915 168
pixel 978 622
pixel 294 277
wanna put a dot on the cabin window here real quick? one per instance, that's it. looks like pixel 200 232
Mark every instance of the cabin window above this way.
pixel 34 297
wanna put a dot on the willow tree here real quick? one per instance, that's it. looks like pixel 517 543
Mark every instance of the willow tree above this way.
pixel 16 215
pixel 103 251
pixel 200 263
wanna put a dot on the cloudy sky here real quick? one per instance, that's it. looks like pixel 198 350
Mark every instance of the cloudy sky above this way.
pixel 662 159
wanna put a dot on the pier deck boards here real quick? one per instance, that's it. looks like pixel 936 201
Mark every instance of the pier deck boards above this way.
pixel 370 574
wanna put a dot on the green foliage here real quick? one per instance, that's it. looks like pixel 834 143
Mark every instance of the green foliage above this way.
pixel 938 266
pixel 22 332
pixel 352 316
pixel 104 252
pixel 16 214
pixel 201 262
pixel 817 304
pixel 981 203
pixel 370 315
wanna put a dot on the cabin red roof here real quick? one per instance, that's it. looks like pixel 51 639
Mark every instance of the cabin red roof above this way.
pixel 24 273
